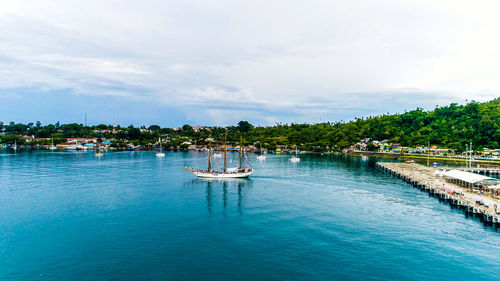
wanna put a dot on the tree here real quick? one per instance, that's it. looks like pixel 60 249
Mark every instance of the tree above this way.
pixel 244 126
pixel 11 139
pixel 187 130
pixel 371 147
pixel 154 128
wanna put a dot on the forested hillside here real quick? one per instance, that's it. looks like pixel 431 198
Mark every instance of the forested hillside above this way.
pixel 450 126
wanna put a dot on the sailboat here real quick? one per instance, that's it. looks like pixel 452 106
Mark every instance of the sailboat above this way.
pixel 239 172
pixel 160 153
pixel 52 146
pixel 98 152
pixel 15 146
pixel 263 155
pixel 295 158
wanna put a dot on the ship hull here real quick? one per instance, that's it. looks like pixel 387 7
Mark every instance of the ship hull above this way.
pixel 217 175
pixel 243 173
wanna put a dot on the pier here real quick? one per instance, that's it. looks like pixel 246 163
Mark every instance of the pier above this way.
pixel 426 179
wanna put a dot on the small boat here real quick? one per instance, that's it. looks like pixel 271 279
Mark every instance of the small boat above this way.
pixel 160 153
pixel 261 157
pixel 226 173
pixel 98 152
pixel 52 146
pixel 133 148
pixel 295 159
pixel 76 146
pixel 14 147
pixel 262 153
pixel 81 147
pixel 364 158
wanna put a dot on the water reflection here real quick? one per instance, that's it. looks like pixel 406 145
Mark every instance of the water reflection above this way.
pixel 211 186
pixel 209 197
pixel 224 194
pixel 240 186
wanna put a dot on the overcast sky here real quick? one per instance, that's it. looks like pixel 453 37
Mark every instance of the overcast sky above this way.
pixel 217 62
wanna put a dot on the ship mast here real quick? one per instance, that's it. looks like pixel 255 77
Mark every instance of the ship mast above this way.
pixel 210 154
pixel 240 152
pixel 225 153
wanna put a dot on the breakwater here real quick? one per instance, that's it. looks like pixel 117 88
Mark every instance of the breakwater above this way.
pixel 426 179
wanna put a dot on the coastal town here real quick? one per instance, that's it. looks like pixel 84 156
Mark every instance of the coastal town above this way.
pixel 185 143
pixel 174 140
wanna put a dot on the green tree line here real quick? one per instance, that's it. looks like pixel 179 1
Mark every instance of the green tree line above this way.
pixel 449 126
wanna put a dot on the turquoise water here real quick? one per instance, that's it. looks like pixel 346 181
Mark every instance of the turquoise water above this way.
pixel 131 216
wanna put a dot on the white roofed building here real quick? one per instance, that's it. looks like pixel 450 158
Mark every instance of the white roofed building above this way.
pixel 467 179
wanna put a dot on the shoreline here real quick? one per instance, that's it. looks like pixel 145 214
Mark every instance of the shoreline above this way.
pixel 438 159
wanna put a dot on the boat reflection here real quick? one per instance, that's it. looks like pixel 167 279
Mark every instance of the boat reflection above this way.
pixel 229 188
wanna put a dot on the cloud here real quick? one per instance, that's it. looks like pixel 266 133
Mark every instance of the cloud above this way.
pixel 220 62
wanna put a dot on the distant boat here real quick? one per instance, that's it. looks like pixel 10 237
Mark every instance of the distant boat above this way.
pixel 160 153
pixel 239 172
pixel 133 148
pixel 217 155
pixel 98 151
pixel 75 146
pixel 295 159
pixel 263 156
pixel 52 146
pixel 364 158
pixel 80 147
pixel 15 145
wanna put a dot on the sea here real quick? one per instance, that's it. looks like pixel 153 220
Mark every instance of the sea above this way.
pixel 133 216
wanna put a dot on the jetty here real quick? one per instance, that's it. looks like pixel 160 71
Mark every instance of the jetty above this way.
pixel 484 205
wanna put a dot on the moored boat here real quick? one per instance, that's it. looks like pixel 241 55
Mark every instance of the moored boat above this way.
pixel 261 157
pixel 226 173
pixel 160 153
pixel 295 159
pixel 262 153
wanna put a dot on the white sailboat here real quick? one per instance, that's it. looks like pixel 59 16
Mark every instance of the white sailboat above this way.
pixel 239 172
pixel 52 146
pixel 98 152
pixel 15 146
pixel 262 156
pixel 295 159
pixel 160 153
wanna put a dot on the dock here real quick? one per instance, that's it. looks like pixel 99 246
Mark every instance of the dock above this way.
pixel 426 179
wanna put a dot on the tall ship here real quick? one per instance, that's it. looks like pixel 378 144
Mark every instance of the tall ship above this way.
pixel 237 172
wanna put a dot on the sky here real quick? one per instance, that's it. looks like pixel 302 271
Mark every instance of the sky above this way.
pixel 218 62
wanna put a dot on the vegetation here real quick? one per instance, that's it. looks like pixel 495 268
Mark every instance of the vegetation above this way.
pixel 450 126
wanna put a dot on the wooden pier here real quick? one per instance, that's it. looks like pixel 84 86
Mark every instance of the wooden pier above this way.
pixel 425 178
